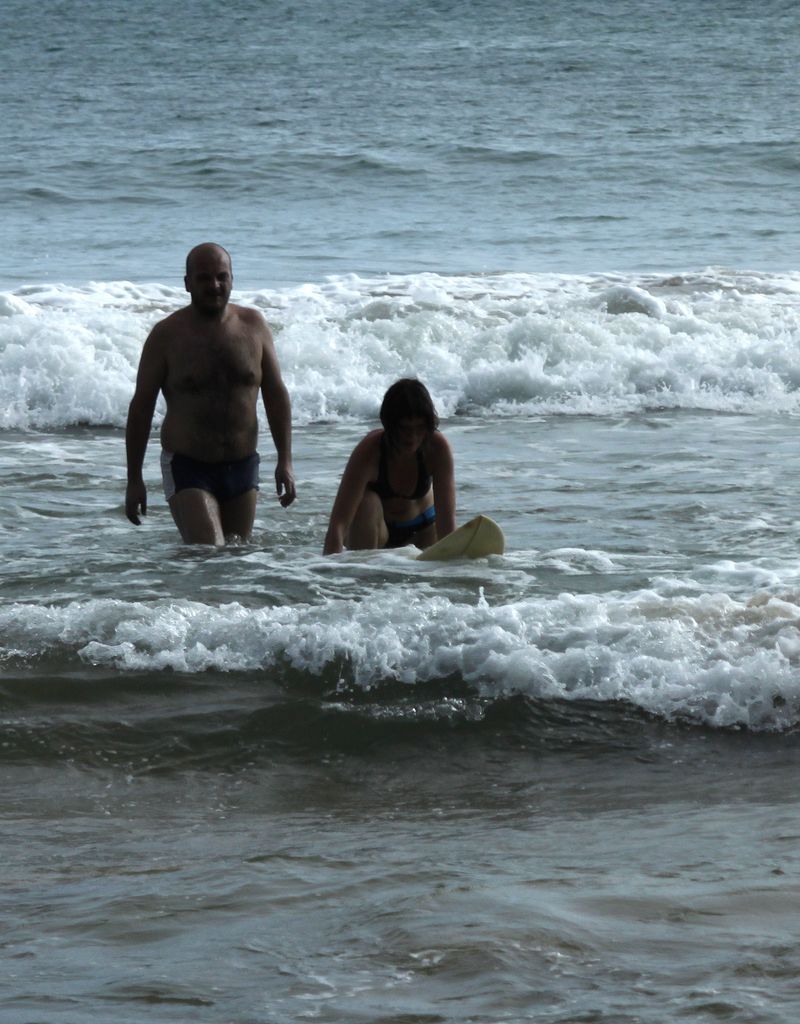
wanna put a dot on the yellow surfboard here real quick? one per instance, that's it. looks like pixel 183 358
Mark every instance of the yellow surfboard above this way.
pixel 478 538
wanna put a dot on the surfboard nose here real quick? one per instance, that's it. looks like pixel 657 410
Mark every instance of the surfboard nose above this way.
pixel 478 538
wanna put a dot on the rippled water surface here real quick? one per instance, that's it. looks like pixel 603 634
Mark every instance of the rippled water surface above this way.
pixel 257 786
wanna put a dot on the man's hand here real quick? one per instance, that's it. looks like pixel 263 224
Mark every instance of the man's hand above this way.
pixel 135 499
pixel 284 483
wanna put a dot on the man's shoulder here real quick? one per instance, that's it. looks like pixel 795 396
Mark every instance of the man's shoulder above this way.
pixel 247 315
pixel 184 322
pixel 172 322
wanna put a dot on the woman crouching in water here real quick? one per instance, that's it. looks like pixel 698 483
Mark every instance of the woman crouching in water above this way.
pixel 398 486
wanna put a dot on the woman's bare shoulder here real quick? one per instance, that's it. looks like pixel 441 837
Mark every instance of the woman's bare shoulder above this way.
pixel 369 446
pixel 439 446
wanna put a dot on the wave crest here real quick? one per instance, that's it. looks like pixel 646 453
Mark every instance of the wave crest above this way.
pixel 508 344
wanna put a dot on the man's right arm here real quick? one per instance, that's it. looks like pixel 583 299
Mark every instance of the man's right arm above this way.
pixel 149 381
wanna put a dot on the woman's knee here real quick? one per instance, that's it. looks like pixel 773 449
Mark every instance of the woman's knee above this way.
pixel 368 528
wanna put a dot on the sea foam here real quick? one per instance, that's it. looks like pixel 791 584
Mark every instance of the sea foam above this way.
pixel 706 658
pixel 507 345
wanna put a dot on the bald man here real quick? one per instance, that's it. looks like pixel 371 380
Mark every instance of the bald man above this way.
pixel 210 360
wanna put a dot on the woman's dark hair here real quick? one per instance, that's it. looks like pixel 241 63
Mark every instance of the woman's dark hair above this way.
pixel 408 399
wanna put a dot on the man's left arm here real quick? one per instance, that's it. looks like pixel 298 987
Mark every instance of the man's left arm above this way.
pixel 278 407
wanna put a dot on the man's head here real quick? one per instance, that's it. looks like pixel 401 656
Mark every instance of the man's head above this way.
pixel 209 278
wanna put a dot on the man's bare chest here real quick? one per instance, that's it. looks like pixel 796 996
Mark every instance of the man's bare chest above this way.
pixel 199 366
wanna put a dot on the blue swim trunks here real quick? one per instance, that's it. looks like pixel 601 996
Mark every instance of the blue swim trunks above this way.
pixel 225 480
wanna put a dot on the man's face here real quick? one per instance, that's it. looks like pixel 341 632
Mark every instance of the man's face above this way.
pixel 209 281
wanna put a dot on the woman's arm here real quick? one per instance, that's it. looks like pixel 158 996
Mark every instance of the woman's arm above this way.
pixel 444 484
pixel 360 469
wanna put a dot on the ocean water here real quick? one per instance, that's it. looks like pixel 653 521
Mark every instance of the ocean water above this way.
pixel 400 137
pixel 259 785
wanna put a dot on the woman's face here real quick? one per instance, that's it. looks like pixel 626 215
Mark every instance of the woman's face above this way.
pixel 409 434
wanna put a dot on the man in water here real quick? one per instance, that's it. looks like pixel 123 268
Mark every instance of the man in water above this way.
pixel 210 360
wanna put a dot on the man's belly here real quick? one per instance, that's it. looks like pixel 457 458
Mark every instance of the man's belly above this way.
pixel 218 439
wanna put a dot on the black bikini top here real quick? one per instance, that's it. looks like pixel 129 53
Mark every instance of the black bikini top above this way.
pixel 384 489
